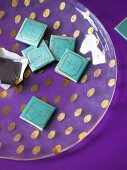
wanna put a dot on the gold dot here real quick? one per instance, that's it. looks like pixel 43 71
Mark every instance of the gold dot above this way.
pixel 90 92
pixel 47 42
pixel 69 130
pixel 78 112
pixel 22 107
pixel 12 126
pixel 51 134
pixel 56 25
pixel 19 88
pixel 97 41
pixel 35 134
pixel 26 2
pixel 112 82
pixel 34 88
pixel 84 78
pixel 76 33
pixel 64 35
pixel 48 82
pixel 97 73
pixel 57 149
pixel 41 71
pixel 62 6
pixel 74 97
pixel 17 137
pixel 27 73
pixel 17 19
pixel 65 82
pixel 105 104
pixel 13 33
pixel 36 150
pixel 73 18
pixel 41 1
pixel 61 116
pixel 46 13
pixel 87 118
pixel 1 31
pixel 44 99
pixel 32 15
pixel 90 30
pixel 3 94
pixel 82 135
pixel 14 3
pixel 20 149
pixel 2 13
pixel 57 99
pixel 112 63
pixel 86 14
pixel 0 144
pixel 15 47
pixel 6 110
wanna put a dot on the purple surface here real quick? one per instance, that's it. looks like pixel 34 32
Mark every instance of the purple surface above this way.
pixel 106 146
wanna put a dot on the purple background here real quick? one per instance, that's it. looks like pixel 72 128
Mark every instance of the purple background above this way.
pixel 106 147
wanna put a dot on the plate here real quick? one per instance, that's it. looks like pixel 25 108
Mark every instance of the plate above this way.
pixel 80 106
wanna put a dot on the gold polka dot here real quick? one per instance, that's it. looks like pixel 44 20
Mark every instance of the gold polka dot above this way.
pixel 61 116
pixel 22 107
pixel 51 134
pixel 82 135
pixel 87 118
pixel 62 6
pixel 1 31
pixel 84 78
pixel 20 149
pixel 90 30
pixel 112 63
pixel 26 2
pixel 36 150
pixel 57 99
pixel 17 137
pixel 97 41
pixel 6 110
pixel 65 82
pixel 17 19
pixel 12 126
pixel 90 92
pixel 35 134
pixel 14 3
pixel 57 149
pixel 74 97
pixel 44 99
pixel 73 18
pixel 19 88
pixel 111 82
pixel 13 33
pixel 86 14
pixel 15 47
pixel 32 15
pixel 56 25
pixel 105 104
pixel 76 33
pixel 34 88
pixel 64 35
pixel 41 71
pixel 48 82
pixel 97 73
pixel 27 73
pixel 69 130
pixel 41 1
pixel 46 13
pixel 2 13
pixel 0 144
pixel 3 94
pixel 47 42
pixel 78 112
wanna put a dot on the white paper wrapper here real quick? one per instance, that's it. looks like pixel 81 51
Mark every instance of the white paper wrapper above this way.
pixel 16 58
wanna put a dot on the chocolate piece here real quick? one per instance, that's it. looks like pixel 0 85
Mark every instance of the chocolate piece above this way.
pixel 37 113
pixel 71 65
